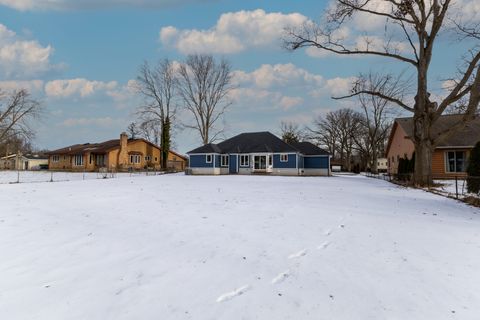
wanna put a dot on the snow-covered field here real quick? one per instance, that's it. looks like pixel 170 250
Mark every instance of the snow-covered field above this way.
pixel 12 176
pixel 236 247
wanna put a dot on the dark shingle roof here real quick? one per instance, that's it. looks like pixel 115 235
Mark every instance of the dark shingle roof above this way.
pixel 308 148
pixel 467 137
pixel 257 142
pixel 208 148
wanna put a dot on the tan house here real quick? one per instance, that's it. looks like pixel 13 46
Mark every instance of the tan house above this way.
pixel 24 162
pixel 118 154
pixel 450 157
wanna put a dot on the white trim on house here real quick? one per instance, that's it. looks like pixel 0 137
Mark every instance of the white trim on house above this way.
pixel 282 155
pixel 207 155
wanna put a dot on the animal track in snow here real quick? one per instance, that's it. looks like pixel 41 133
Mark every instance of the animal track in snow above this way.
pixel 281 276
pixel 230 295
pixel 328 232
pixel 324 245
pixel 298 254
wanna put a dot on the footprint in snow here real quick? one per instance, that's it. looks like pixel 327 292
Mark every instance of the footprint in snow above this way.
pixel 328 232
pixel 298 254
pixel 232 294
pixel 324 245
pixel 281 276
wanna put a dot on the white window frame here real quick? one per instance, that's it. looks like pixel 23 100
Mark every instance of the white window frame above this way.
pixel 224 160
pixel 135 158
pixel 284 157
pixel 207 156
pixel 78 160
pixel 148 158
pixel 244 160
pixel 55 158
pixel 447 165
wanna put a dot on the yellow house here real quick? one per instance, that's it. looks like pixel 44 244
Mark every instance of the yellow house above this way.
pixel 118 154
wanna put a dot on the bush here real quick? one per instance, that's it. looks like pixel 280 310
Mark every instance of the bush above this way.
pixel 406 167
pixel 473 170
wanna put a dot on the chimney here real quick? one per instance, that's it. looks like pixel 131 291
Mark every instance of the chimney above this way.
pixel 123 153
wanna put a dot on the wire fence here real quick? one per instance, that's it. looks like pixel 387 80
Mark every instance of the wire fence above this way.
pixel 453 186
pixel 24 176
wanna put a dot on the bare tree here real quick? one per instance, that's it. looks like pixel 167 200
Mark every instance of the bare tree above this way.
pixel 204 85
pixel 150 130
pixel 419 23
pixel 158 86
pixel 132 130
pixel 337 131
pixel 17 111
pixel 291 132
pixel 375 122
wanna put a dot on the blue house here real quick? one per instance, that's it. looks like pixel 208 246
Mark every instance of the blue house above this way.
pixel 259 152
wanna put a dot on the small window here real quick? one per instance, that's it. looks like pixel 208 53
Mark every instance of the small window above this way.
pixel 56 158
pixel 148 158
pixel 208 158
pixel 284 158
pixel 156 159
pixel 455 161
pixel 224 161
pixel 135 158
pixel 244 160
pixel 78 160
pixel 270 160
pixel 90 161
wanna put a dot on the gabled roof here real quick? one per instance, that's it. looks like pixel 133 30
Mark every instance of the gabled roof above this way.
pixel 258 142
pixel 466 137
pixel 208 148
pixel 101 147
pixel 308 148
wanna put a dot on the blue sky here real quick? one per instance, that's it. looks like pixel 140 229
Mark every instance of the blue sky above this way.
pixel 78 58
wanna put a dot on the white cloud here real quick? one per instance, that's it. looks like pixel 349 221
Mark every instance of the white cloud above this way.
pixel 233 32
pixel 32 86
pixel 290 102
pixel 24 5
pixel 284 86
pixel 278 75
pixel 22 58
pixel 80 86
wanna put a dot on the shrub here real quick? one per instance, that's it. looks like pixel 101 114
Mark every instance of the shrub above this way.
pixel 473 170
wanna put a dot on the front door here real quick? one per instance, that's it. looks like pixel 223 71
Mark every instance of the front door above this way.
pixel 233 164
pixel 260 163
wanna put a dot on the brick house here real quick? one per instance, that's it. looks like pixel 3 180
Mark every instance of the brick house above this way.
pixel 450 157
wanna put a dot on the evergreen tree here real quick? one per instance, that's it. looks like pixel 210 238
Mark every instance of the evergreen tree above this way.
pixel 473 170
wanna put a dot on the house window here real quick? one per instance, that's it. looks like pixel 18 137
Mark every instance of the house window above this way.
pixel 90 161
pixel 224 161
pixel 284 158
pixel 148 158
pixel 78 160
pixel 455 161
pixel 135 158
pixel 244 160
pixel 100 160
pixel 156 159
pixel 208 158
pixel 56 158
pixel 270 160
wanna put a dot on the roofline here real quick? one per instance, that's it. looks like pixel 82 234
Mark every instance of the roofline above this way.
pixel 455 147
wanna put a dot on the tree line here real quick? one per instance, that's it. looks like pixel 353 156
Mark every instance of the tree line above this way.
pixel 198 86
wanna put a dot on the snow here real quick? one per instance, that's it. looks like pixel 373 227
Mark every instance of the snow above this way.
pixel 236 247
pixel 12 176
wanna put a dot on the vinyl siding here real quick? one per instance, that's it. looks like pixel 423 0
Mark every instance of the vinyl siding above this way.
pixel 200 161
pixel 290 164
pixel 316 162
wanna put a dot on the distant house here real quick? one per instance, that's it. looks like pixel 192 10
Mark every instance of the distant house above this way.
pixel 117 154
pixel 259 153
pixel 24 162
pixel 450 157
pixel 382 164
